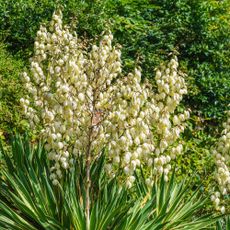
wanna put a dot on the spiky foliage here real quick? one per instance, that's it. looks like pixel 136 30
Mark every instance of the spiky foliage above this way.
pixel 28 199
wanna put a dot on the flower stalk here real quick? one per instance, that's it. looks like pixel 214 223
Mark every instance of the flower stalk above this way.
pixel 88 183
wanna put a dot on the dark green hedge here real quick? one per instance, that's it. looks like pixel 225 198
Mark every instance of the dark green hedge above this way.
pixel 10 93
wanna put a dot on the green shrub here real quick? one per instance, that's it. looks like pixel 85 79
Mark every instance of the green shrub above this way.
pixel 10 93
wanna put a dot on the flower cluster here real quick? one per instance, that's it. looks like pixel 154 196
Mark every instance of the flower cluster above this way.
pixel 168 124
pixel 222 160
pixel 84 105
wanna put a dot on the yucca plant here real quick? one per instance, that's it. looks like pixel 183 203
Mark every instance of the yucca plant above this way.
pixel 28 200
pixel 169 206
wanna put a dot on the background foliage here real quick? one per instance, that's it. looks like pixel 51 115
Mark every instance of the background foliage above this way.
pixel 10 92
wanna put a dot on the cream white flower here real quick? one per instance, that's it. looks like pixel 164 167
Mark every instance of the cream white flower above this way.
pixel 80 99
pixel 221 155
